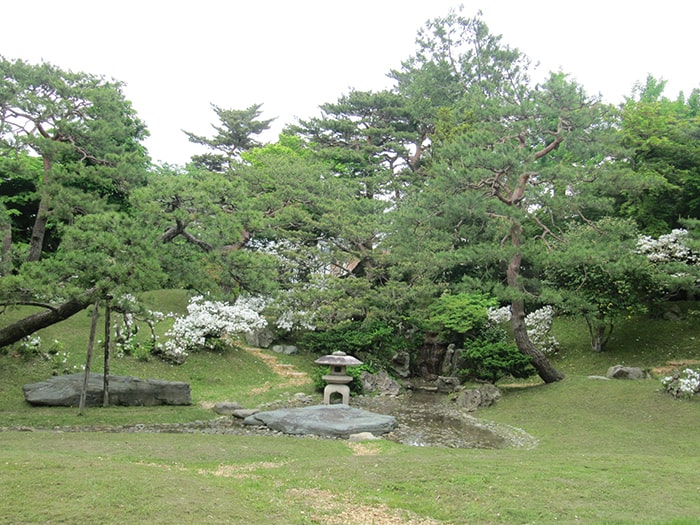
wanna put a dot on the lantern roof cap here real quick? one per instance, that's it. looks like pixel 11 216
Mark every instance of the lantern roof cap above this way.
pixel 338 359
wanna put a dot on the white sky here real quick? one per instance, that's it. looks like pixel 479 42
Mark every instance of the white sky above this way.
pixel 177 57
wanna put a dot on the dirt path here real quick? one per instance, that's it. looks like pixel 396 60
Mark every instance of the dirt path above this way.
pixel 288 373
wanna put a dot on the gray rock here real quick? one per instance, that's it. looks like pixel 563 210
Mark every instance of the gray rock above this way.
pixel 323 420
pixel 603 378
pixel 401 364
pixel 447 385
pixel 261 338
pixel 625 372
pixel 475 398
pixel 123 390
pixel 243 413
pixel 469 400
pixel 226 408
pixel 301 397
pixel 362 436
pixel 489 394
pixel 379 383
pixel 285 349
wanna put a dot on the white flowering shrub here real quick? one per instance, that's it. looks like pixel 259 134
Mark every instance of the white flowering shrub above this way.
pixel 539 326
pixel 207 322
pixel 683 384
pixel 538 323
pixel 499 315
pixel 671 247
pixel 129 312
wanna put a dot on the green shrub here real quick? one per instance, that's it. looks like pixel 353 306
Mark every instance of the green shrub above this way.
pixel 371 341
pixel 459 314
pixel 491 357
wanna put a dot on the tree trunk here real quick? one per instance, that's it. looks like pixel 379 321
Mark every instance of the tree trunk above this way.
pixel 88 361
pixel 36 242
pixel 108 333
pixel 600 334
pixel 6 248
pixel 544 368
pixel 27 326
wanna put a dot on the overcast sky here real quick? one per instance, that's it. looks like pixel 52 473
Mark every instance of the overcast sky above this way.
pixel 177 57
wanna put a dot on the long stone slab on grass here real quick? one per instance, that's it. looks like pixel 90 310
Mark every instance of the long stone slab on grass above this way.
pixel 337 420
pixel 65 390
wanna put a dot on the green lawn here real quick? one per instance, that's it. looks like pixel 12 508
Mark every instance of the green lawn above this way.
pixel 608 452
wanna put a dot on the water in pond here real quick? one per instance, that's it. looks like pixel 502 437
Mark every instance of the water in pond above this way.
pixel 431 420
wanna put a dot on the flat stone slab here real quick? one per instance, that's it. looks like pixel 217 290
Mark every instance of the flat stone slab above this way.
pixel 123 390
pixel 323 420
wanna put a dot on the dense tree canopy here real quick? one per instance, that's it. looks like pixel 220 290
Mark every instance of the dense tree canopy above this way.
pixel 83 130
pixel 463 179
pixel 665 152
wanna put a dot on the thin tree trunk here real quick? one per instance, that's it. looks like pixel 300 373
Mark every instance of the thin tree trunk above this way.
pixel 108 330
pixel 88 361
pixel 544 368
pixel 600 334
pixel 36 242
pixel 27 326
pixel 6 248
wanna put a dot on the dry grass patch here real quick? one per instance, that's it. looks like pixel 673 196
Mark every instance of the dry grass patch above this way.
pixel 329 508
pixel 364 449
pixel 223 471
pixel 673 366
pixel 240 471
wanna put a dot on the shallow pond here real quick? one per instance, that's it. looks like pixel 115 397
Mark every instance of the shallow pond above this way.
pixel 432 420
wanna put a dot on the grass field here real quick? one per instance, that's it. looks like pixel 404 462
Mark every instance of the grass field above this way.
pixel 608 452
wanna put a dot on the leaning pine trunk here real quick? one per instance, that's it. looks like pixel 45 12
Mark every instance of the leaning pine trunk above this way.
pixel 32 323
pixel 544 368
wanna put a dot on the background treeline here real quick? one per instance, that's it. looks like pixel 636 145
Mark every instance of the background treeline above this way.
pixel 464 184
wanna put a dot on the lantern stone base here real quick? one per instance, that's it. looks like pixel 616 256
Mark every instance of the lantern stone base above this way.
pixel 343 390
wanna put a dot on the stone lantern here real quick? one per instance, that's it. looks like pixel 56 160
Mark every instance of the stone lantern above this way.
pixel 337 381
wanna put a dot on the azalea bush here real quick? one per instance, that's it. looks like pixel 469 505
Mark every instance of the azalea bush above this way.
pixel 207 323
pixel 684 384
pixel 676 258
pixel 671 247
pixel 538 323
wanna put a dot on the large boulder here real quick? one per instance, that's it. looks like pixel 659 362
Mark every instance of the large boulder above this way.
pixel 261 338
pixel 401 364
pixel 475 398
pixel 123 390
pixel 625 372
pixel 447 384
pixel 323 420
pixel 285 349
pixel 380 383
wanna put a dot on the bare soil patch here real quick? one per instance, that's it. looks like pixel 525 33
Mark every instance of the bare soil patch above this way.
pixel 673 366
pixel 335 509
pixel 288 373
